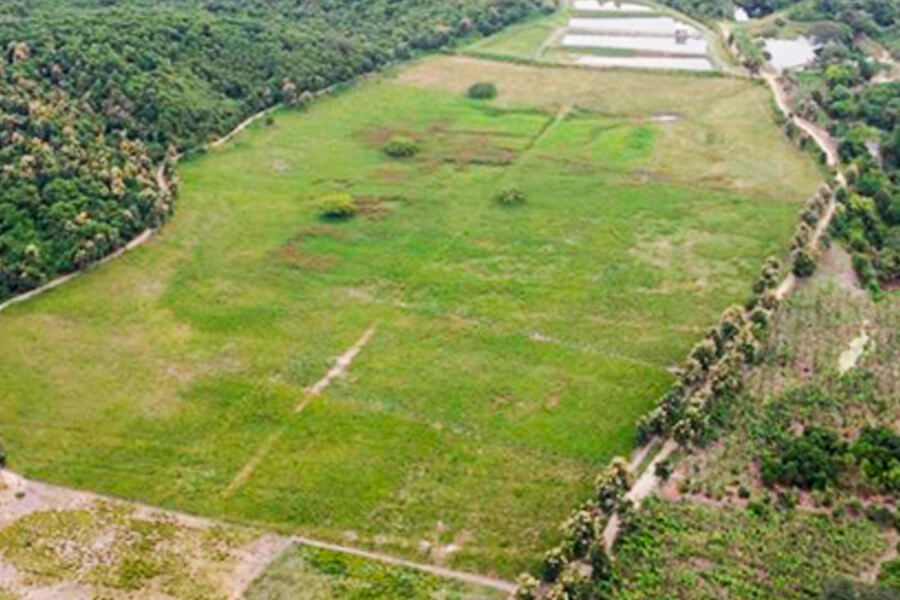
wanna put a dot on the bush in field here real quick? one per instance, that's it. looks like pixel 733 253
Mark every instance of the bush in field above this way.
pixel 865 270
pixel 889 574
pixel 510 197
pixel 483 90
pixel 401 147
pixel 877 450
pixel 339 205
pixel 803 263
pixel 813 460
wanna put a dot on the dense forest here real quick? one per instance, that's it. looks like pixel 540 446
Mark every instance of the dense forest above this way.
pixel 95 93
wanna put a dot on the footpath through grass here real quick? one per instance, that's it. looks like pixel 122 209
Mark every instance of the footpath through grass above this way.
pixel 514 347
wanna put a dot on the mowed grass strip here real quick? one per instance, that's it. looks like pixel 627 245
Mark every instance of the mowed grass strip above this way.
pixel 515 346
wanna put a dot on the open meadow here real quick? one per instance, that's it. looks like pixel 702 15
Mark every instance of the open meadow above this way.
pixel 504 352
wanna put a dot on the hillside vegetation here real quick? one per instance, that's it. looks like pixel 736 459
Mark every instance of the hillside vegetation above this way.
pixel 94 93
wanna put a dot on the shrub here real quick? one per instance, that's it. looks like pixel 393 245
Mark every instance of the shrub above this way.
pixel 554 562
pixel 760 317
pixel 663 469
pixel 579 531
pixel 612 484
pixel 339 205
pixel 527 588
pixel 862 264
pixel 692 427
pixel 757 509
pixel 704 352
pixel 880 515
pixel 601 565
pixel 651 424
pixel 889 574
pixel 573 585
pixel 732 320
pixel 841 194
pixel 401 147
pixel 804 264
pixel 877 450
pixel 483 90
pixel 813 460
pixel 510 197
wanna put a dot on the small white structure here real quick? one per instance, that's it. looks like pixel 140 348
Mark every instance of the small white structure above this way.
pixel 633 26
pixel 740 15
pixel 588 5
pixel 646 62
pixel 659 44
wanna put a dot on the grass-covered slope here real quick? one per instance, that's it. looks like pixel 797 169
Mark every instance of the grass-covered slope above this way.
pixel 94 92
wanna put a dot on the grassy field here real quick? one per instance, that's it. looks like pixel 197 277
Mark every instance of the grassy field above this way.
pixel 525 41
pixel 513 347
pixel 314 574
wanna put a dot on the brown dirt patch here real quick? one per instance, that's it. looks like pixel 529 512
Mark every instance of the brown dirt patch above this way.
pixel 293 253
pixel 379 136
pixel 376 207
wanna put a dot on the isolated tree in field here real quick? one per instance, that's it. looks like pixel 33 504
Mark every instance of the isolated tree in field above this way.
pixel 510 197
pixel 339 205
pixel 401 147
pixel 483 90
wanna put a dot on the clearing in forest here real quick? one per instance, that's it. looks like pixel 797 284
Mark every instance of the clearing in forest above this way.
pixel 515 345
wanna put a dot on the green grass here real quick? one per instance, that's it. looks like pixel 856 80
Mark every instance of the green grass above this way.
pixel 315 574
pixel 514 349
pixel 526 40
